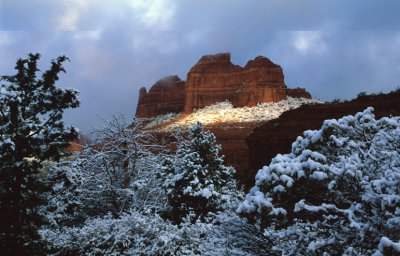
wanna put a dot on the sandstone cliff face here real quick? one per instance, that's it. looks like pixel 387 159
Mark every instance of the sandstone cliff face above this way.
pixel 214 79
pixel 276 136
pixel 165 96
pixel 232 138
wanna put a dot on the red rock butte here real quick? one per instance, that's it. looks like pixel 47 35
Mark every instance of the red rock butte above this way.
pixel 165 96
pixel 215 79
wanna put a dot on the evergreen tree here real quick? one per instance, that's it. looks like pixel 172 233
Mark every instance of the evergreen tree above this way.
pixel 31 131
pixel 336 193
pixel 197 180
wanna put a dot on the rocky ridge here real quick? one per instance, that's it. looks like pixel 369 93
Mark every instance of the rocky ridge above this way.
pixel 215 79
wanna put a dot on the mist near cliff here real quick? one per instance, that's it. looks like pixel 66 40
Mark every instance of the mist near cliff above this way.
pixel 334 50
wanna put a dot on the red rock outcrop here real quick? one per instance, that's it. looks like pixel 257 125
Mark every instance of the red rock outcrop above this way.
pixel 214 79
pixel 165 96
pixel 298 93
pixel 276 136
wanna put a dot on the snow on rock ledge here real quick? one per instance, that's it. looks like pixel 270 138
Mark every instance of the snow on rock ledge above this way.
pixel 224 112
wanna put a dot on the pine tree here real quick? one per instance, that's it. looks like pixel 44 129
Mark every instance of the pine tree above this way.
pixel 31 131
pixel 197 181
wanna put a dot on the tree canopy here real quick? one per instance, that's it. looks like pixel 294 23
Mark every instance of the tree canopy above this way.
pixel 197 180
pixel 336 192
pixel 31 131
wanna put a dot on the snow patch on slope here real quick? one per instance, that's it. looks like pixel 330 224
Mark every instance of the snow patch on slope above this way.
pixel 225 112
pixel 161 119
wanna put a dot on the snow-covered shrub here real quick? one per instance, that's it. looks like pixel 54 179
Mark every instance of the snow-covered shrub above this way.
pixel 134 233
pixel 225 112
pixel 130 234
pixel 238 237
pixel 114 175
pixel 64 198
pixel 387 247
pixel 119 168
pixel 196 179
pixel 338 191
pixel 161 119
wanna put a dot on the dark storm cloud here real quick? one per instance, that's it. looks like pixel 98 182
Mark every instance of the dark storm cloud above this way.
pixel 334 49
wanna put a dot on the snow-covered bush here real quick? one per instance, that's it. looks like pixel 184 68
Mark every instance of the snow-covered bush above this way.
pixel 119 168
pixel 130 234
pixel 225 112
pixel 135 233
pixel 196 179
pixel 64 198
pixel 160 120
pixel 238 237
pixel 338 191
pixel 114 175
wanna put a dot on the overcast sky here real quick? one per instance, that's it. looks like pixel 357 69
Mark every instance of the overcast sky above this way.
pixel 333 48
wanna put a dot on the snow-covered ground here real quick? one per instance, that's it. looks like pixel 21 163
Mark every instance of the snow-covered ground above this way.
pixel 225 112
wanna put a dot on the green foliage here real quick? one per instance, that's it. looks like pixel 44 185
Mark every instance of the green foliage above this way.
pixel 31 132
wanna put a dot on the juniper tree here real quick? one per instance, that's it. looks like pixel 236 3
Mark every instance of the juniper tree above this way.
pixel 337 192
pixel 197 180
pixel 31 131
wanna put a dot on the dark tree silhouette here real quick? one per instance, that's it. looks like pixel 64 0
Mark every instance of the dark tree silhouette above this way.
pixel 31 131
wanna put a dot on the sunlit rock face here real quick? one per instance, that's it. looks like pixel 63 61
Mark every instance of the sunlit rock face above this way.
pixel 165 96
pixel 215 79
